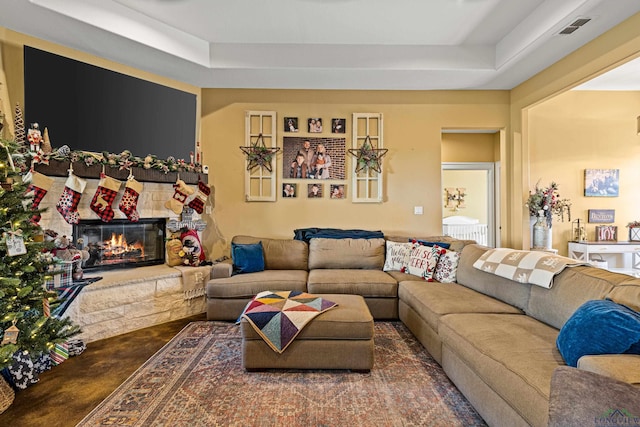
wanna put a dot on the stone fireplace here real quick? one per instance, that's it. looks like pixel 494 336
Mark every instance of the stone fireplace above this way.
pixel 137 296
pixel 121 243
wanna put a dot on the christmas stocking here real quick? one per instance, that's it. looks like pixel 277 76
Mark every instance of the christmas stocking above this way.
pixel 68 203
pixel 39 186
pixel 129 201
pixel 182 191
pixel 203 193
pixel 104 197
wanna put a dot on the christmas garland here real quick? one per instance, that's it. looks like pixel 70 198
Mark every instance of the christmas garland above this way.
pixel 124 160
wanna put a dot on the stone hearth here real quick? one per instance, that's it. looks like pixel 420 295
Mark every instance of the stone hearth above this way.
pixel 130 299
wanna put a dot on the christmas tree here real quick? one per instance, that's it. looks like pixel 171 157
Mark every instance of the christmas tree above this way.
pixel 25 304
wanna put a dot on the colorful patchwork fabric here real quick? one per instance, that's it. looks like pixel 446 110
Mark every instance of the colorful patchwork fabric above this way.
pixel 278 317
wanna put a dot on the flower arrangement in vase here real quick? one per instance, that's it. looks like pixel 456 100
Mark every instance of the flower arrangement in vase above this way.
pixel 547 199
pixel 634 231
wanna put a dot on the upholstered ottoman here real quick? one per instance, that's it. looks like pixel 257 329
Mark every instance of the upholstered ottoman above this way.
pixel 340 338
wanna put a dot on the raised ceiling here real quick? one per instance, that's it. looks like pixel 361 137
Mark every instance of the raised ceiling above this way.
pixel 324 44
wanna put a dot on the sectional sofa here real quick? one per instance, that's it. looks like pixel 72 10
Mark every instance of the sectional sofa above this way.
pixel 494 337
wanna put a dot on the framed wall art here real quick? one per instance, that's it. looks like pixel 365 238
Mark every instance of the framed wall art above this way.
pixel 289 189
pixel 601 182
pixel 338 191
pixel 313 158
pixel 338 125
pixel 315 125
pixel 602 216
pixel 606 233
pixel 314 191
pixel 291 124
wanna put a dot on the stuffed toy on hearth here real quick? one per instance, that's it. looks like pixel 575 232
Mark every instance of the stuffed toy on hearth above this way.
pixel 192 248
pixel 174 248
pixel 65 251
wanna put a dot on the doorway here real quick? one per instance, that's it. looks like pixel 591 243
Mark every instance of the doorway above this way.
pixel 470 162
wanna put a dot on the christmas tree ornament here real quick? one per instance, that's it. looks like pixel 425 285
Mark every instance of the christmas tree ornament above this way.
pixel 181 192
pixel 39 186
pixel 19 128
pixel 46 307
pixel 15 242
pixel 68 203
pixel 129 202
pixel 105 195
pixel 34 136
pixel 197 203
pixel 11 334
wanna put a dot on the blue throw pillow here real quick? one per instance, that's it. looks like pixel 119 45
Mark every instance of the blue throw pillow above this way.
pixel 443 245
pixel 599 327
pixel 247 258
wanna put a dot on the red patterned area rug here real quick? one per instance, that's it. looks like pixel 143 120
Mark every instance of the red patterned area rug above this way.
pixel 197 379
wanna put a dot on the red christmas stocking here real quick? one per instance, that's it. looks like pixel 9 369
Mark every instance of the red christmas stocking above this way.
pixel 39 186
pixel 201 198
pixel 68 203
pixel 129 201
pixel 104 197
pixel 182 191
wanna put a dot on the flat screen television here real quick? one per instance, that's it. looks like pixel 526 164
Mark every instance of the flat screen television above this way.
pixel 94 109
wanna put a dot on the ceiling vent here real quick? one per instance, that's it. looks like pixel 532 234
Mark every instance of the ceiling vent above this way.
pixel 574 25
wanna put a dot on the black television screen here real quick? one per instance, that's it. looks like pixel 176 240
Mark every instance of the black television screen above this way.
pixel 94 109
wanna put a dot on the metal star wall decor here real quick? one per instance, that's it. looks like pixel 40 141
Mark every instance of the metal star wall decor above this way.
pixel 259 155
pixel 367 156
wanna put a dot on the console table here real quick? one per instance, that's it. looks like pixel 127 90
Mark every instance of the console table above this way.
pixel 630 252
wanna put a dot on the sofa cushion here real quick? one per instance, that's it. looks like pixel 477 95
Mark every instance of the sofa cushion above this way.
pixel 366 254
pixel 514 355
pixel 368 283
pixel 280 254
pixel 397 256
pixel 455 244
pixel 627 293
pixel 248 285
pixel 571 288
pixel 623 367
pixel 247 258
pixel 599 327
pixel 431 300
pixel 513 293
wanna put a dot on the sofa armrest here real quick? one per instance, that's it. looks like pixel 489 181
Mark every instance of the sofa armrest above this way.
pixel 582 398
pixel 222 269
pixel 622 367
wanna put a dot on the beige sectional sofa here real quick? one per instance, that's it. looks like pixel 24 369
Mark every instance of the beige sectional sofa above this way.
pixel 495 338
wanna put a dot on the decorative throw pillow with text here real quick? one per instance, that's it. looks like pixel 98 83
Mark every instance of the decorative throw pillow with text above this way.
pixel 423 261
pixel 397 256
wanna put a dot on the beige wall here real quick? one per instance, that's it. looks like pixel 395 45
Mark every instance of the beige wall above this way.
pixel 470 147
pixel 412 132
pixel 581 130
pixel 617 46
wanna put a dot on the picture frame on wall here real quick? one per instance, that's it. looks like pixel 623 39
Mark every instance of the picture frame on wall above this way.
pixel 314 191
pixel 338 191
pixel 313 158
pixel 291 124
pixel 338 125
pixel 289 190
pixel 601 182
pixel 315 125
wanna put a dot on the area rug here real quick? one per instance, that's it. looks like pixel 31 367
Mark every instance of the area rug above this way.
pixel 197 379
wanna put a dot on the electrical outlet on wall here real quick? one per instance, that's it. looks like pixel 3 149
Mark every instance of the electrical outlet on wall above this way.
pixel 417 210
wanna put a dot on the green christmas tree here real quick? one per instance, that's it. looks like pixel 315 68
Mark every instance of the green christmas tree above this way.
pixel 25 304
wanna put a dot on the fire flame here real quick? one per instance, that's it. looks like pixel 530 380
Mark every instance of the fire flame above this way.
pixel 118 245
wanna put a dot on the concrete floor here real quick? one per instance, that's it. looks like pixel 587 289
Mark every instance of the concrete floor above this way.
pixel 68 392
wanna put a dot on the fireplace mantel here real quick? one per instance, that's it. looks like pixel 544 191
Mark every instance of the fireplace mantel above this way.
pixel 61 168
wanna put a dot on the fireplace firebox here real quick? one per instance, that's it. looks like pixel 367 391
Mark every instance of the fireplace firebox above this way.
pixel 121 243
